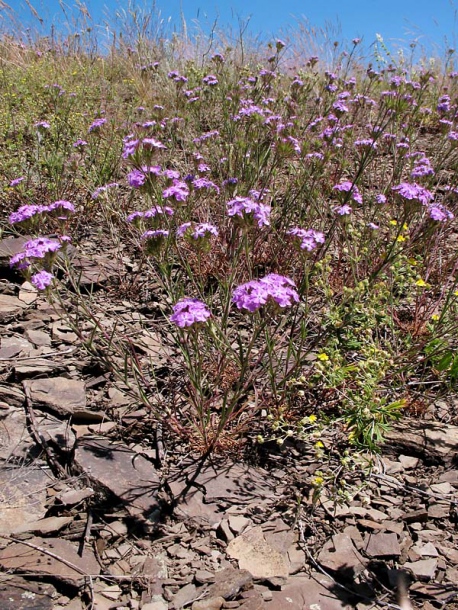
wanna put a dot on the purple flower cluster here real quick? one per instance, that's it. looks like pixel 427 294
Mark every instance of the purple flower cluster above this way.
pixel 96 125
pixel 102 189
pixel 37 248
pixel 204 183
pixel 42 279
pixel 16 181
pixel 203 230
pixel 440 213
pixel 253 295
pixel 414 192
pixel 210 80
pixel 245 207
pixel 42 125
pixel 151 213
pixel 157 234
pixel 178 191
pixel 348 187
pixel 137 177
pixel 26 212
pixel 188 312
pixel 422 167
pixel 309 237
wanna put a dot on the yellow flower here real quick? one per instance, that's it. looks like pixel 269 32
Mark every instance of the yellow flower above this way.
pixel 420 283
pixel 405 227
pixel 323 357
pixel 317 481
pixel 319 445
pixel 393 222
pixel 435 317
pixel 400 238
pixel 456 293
pixel 312 418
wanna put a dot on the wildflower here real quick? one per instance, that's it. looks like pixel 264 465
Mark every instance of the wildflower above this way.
pixel 244 207
pixel 343 210
pixel 26 212
pixel 348 187
pixel 171 174
pixel 155 234
pixel 188 312
pixel 42 280
pixel 413 192
pixel 203 183
pixel 136 178
pixel 420 283
pixel 280 44
pixel 154 240
pixel 254 294
pixel 158 211
pixel 439 213
pixel 323 357
pixel 151 144
pixel 435 317
pixel 41 248
pixel 17 181
pixel 96 125
pixel 210 80
pixel 42 125
pixel 102 189
pixel 309 238
pixel 60 206
pixel 372 225
pixel 79 143
pixel 380 198
pixel 130 146
pixel 178 191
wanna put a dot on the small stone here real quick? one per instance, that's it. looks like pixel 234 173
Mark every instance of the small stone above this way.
pixel 224 532
pixel 10 307
pixel 257 556
pixel 409 462
pixel 159 604
pixel 238 523
pixel 38 337
pixel 203 576
pixel 424 569
pixel 439 510
pixel 59 394
pixel 420 515
pixel 229 582
pixel 211 603
pixel 28 293
pixel 23 558
pixel 340 553
pixel 382 545
pixel 426 550
pixel 184 596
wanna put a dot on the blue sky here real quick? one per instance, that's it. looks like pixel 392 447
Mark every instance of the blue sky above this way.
pixel 432 22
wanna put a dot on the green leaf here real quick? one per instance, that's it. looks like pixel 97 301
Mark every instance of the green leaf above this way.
pixel 444 362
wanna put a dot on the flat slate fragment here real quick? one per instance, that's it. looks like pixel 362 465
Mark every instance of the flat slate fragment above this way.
pixel 59 394
pixel 64 564
pixel 19 594
pixel 382 545
pixel 124 473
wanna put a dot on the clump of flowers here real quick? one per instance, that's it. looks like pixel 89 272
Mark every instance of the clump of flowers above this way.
pixel 256 293
pixel 348 187
pixel 309 238
pixel 154 240
pixel 39 248
pixel 413 192
pixel 42 279
pixel 249 210
pixel 188 312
